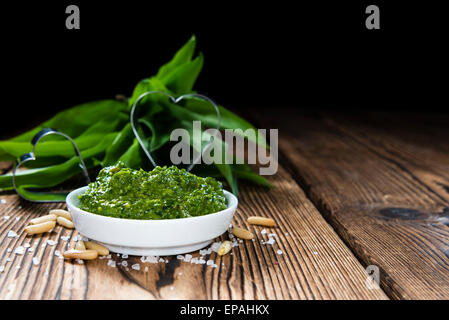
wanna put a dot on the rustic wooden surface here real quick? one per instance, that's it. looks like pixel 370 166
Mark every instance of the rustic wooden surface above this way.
pixel 314 264
pixel 382 182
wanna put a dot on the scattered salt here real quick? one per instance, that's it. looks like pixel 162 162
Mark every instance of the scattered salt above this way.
pixel 36 261
pixel 26 245
pixel 108 256
pixel 79 261
pixel 214 247
pixel 271 241
pixel 136 266
pixel 8 250
pixel 12 234
pixel 19 250
pixel 214 265
pixel 125 263
pixel 315 252
pixel 240 241
pixel 146 269
pixel 6 218
pixel 57 253
pixel 30 249
pixel 201 261
pixel 188 257
pixel 17 218
pixel 65 238
pixel 111 263
pixel 272 235
pixel 2 201
pixel 161 260
pixel 235 244
pixel 179 273
pixel 18 267
pixel 2 268
pixel 124 256
pixel 194 260
pixel 263 231
pixel 210 262
pixel 279 251
pixel 172 288
pixel 8 259
pixel 180 257
pixel 51 242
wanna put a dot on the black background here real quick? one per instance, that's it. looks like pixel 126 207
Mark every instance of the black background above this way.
pixel 316 55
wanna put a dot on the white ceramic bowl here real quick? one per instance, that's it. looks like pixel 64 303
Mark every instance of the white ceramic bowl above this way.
pixel 151 237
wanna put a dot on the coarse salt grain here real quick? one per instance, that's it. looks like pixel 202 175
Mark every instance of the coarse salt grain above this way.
pixel 188 258
pixel 180 257
pixel 2 268
pixel 65 238
pixel 17 218
pixel 51 242
pixel 26 245
pixel 111 263
pixel 272 235
pixel 57 253
pixel 279 251
pixel 6 218
pixel 125 263
pixel 215 246
pixel 161 260
pixel 8 250
pixel 30 249
pixel 79 261
pixel 146 269
pixel 271 241
pixel 8 259
pixel 201 261
pixel 136 266
pixel 2 201
pixel 19 250
pixel 315 253
pixel 124 256
pixel 210 262
pixel 12 234
pixel 108 256
pixel 263 231
pixel 36 261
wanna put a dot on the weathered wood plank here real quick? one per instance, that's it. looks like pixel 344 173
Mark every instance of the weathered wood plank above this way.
pixel 314 264
pixel 377 188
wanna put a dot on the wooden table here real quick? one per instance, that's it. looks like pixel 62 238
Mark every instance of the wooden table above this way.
pixel 352 191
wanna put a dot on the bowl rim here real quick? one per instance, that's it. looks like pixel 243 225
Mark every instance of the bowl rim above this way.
pixel 232 205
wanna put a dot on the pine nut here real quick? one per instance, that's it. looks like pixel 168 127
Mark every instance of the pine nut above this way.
pixel 102 251
pixel 50 217
pixel 61 213
pixel 261 221
pixel 80 245
pixel 40 228
pixel 225 247
pixel 81 254
pixel 65 222
pixel 242 233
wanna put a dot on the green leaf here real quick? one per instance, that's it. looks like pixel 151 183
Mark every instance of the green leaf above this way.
pixel 183 55
pixel 76 120
pixel 53 175
pixel 181 79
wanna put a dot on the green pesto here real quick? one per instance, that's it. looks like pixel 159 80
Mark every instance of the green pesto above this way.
pixel 163 193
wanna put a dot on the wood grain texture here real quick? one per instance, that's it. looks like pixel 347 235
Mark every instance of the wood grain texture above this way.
pixel 381 183
pixel 315 263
